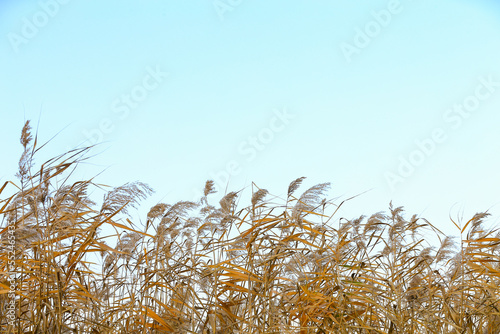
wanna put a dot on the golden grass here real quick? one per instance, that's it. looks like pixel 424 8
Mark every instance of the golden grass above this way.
pixel 282 266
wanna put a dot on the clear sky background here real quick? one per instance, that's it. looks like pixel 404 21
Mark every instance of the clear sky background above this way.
pixel 400 98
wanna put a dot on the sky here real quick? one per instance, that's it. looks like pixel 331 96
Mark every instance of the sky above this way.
pixel 393 100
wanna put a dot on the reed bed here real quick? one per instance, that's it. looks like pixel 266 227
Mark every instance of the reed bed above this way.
pixel 277 265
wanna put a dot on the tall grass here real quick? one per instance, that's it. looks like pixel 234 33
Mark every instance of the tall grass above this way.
pixel 278 265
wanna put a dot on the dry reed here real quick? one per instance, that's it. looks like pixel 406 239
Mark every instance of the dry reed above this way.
pixel 273 267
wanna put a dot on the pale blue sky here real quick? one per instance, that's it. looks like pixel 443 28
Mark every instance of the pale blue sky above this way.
pixel 230 72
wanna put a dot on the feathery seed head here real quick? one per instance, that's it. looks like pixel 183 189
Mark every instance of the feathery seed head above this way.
pixel 259 196
pixel 294 185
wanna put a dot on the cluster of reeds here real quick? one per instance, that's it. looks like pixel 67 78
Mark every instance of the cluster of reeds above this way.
pixel 279 265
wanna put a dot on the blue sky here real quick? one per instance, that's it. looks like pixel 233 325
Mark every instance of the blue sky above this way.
pixel 400 98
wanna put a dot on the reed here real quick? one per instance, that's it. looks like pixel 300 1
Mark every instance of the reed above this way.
pixel 278 265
